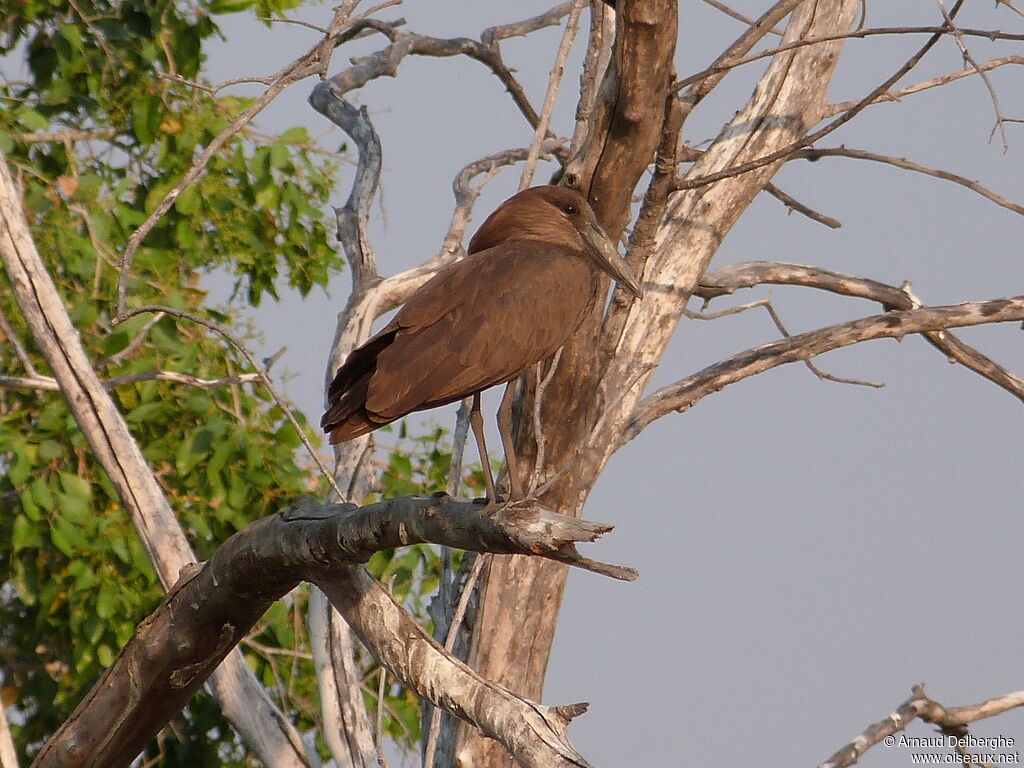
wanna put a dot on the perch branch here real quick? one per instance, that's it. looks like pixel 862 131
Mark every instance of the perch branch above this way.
pixel 213 606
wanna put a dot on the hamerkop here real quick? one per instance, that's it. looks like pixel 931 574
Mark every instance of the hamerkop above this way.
pixel 531 276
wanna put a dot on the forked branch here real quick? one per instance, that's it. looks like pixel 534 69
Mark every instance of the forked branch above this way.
pixel 748 274
pixel 684 393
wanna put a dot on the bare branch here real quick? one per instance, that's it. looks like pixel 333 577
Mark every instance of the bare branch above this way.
pixel 766 303
pixel 49 384
pixel 748 274
pixel 897 324
pixel 384 63
pixel 595 63
pixel 919 706
pixel 1000 123
pixel 133 345
pixel 9 336
pixel 722 67
pixel 554 81
pixel 8 756
pixel 822 375
pixel 935 82
pixel 346 729
pixel 810 138
pixel 44 137
pixel 909 165
pixel 737 15
pixel 795 205
pixel 701 84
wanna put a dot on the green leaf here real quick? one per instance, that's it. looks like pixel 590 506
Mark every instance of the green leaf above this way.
pixel 104 655
pixel 50 449
pixel 72 34
pixel 188 201
pixel 60 539
pixel 25 534
pixel 295 135
pixel 105 603
pixel 29 506
pixel 230 6
pixel 19 468
pixel 146 117
pixel 42 495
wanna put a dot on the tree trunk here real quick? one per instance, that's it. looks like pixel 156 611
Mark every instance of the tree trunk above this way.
pixel 602 373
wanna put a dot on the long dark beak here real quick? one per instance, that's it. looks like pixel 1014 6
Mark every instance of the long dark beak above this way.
pixel 602 251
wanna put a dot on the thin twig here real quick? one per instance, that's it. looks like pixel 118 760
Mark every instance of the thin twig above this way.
pixel 259 371
pixel 1000 123
pixel 925 85
pixel 811 366
pixel 538 427
pixel 951 720
pixel 737 15
pixel 430 745
pixel 722 68
pixel 140 338
pixel 554 81
pixel 795 205
pixel 19 350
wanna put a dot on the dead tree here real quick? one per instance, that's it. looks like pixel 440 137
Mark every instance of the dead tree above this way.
pixel 579 408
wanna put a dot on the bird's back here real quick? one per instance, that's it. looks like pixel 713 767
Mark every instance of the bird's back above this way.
pixel 477 323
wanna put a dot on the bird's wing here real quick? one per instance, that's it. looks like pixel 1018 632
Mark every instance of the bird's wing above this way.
pixel 482 322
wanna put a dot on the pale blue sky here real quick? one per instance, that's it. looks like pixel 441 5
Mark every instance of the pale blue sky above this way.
pixel 808 551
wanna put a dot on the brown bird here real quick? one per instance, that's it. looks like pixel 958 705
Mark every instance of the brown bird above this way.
pixel 531 276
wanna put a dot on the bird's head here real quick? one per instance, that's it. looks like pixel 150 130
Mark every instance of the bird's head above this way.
pixel 560 216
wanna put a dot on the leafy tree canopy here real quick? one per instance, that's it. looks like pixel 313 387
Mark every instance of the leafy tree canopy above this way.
pixel 105 124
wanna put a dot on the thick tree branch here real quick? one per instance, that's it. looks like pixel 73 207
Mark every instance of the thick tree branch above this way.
pixel 211 608
pixel 748 274
pixel 683 394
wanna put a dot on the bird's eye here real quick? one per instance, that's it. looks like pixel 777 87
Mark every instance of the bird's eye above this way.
pixel 571 209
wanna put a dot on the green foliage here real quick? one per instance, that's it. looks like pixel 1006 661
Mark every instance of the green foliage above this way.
pixel 96 138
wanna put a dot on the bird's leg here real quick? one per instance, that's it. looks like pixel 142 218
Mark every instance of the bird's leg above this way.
pixel 476 421
pixel 515 490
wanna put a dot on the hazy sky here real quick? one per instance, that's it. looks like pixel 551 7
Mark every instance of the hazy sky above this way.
pixel 808 550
